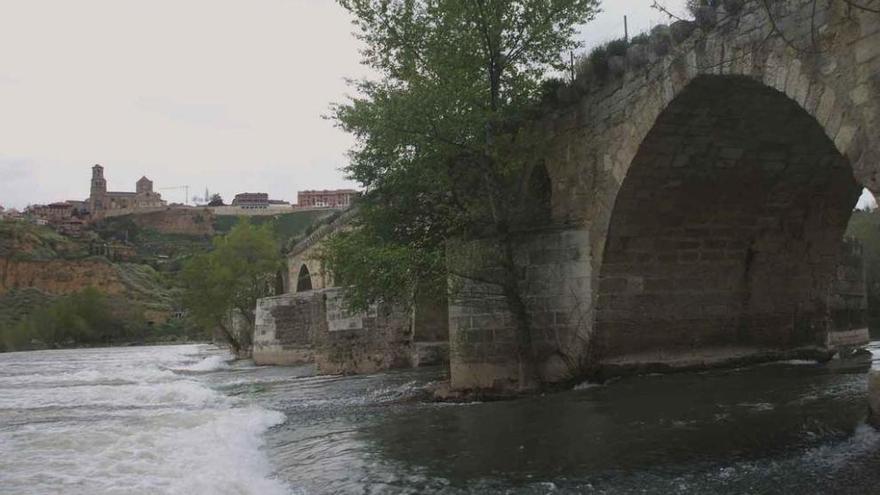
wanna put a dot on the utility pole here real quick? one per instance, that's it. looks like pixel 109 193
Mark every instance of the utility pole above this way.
pixel 186 192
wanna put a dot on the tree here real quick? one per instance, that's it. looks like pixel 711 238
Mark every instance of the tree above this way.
pixel 442 146
pixel 216 200
pixel 84 317
pixel 228 280
pixel 395 271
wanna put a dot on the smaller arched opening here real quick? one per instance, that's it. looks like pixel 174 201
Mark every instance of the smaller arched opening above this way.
pixel 537 200
pixel 304 280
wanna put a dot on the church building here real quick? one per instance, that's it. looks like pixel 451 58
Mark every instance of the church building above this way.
pixel 102 202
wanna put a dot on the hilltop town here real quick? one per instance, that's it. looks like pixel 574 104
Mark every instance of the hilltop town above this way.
pixel 72 216
pixel 130 246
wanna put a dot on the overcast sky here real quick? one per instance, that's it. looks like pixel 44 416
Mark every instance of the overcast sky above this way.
pixel 226 94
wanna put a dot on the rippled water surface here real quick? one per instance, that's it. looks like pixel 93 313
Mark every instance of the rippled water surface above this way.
pixel 183 420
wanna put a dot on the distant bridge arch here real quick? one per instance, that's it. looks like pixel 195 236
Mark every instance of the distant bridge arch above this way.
pixel 304 279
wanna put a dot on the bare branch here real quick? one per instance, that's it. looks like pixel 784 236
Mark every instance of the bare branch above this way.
pixel 663 10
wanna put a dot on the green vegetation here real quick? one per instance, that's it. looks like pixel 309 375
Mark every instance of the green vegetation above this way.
pixel 32 319
pixel 17 304
pixel 394 271
pixel 443 135
pixel 153 280
pixel 158 249
pixel 694 5
pixel 148 288
pixel 216 200
pixel 25 241
pixel 228 280
pixel 284 226
pixel 86 317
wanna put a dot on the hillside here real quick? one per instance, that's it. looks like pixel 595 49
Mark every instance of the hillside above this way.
pixel 286 226
pixel 24 241
pixel 37 264
pixel 131 262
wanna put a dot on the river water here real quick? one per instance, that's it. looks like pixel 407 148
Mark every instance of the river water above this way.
pixel 183 420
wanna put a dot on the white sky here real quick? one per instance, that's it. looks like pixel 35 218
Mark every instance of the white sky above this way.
pixel 226 94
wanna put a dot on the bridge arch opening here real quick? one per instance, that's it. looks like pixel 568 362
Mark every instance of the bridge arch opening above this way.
pixel 537 200
pixel 304 279
pixel 726 230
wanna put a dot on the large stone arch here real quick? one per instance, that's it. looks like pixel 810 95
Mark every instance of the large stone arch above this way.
pixel 835 81
pixel 724 235
pixel 819 65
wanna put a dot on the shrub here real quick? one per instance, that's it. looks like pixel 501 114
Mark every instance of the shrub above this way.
pixel 85 317
pixel 599 61
pixel 617 48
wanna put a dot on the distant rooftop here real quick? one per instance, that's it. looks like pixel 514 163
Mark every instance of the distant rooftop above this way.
pixel 328 191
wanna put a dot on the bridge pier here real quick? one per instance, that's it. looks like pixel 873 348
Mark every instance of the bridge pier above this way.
pixel 556 287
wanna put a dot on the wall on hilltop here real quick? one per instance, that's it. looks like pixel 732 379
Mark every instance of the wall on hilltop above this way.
pixel 183 221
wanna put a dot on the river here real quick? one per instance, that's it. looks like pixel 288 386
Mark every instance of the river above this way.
pixel 183 420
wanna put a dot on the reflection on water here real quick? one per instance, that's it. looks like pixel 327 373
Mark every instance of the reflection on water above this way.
pixel 778 428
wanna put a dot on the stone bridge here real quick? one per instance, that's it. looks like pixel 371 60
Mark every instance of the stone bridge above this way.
pixel 310 323
pixel 698 194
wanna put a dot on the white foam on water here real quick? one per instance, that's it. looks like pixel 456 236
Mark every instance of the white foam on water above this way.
pixel 155 432
pixel 864 440
pixel 175 393
pixel 211 363
pixel 588 385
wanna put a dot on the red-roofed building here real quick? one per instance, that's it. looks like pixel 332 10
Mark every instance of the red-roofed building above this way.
pixel 337 198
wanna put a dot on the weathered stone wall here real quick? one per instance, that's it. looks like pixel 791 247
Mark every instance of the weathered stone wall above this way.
pixel 315 327
pixel 185 221
pixel 430 331
pixel 285 326
pixel 121 212
pixel 556 287
pixel 237 211
pixel 310 323
pixel 353 343
pixel 848 303
pixel 726 229
pixel 430 319
pixel 714 170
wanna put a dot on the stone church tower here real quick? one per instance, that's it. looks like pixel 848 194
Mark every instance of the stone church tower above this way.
pixel 98 189
pixel 99 184
pixel 102 203
pixel 144 186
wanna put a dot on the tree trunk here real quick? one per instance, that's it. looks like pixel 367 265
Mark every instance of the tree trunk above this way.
pixel 233 343
pixel 526 358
